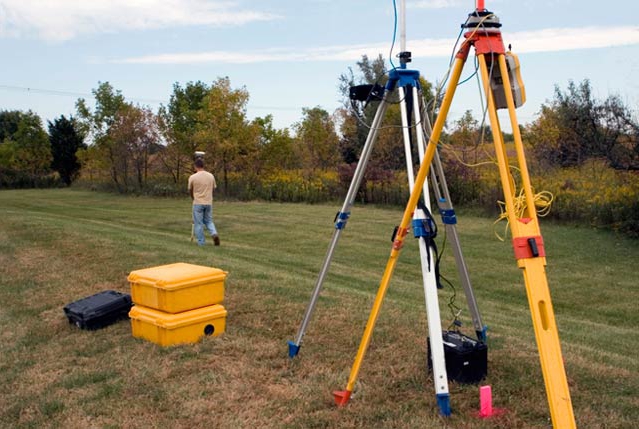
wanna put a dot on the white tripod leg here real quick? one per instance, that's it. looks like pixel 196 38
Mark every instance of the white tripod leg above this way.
pixel 427 257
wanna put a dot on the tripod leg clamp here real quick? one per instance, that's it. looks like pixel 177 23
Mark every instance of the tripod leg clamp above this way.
pixel 529 247
pixel 448 216
pixel 425 228
pixel 340 219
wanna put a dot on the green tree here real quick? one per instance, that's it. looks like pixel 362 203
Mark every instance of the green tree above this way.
pixel 65 142
pixel 465 136
pixel 30 146
pixel 355 118
pixel 585 128
pixel 545 137
pixel 97 125
pixel 136 131
pixel 276 147
pixel 9 120
pixel 620 134
pixel 179 122
pixel 225 134
pixel 317 140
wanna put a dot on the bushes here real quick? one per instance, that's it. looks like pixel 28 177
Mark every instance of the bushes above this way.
pixel 596 194
pixel 593 193
pixel 284 186
pixel 15 179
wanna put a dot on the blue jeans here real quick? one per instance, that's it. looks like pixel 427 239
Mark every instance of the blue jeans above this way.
pixel 203 216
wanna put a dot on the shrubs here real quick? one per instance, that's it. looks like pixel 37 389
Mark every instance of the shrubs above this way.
pixel 593 193
pixel 15 179
pixel 283 186
pixel 596 194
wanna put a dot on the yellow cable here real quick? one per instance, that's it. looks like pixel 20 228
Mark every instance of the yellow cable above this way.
pixel 542 200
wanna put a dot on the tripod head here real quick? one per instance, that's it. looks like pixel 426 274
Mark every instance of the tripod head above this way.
pixel 482 18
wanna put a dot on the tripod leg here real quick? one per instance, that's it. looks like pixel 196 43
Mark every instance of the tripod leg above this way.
pixel 530 254
pixel 427 256
pixel 342 397
pixel 340 224
pixel 438 181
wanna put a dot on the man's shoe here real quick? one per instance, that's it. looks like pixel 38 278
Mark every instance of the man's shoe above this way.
pixel 216 240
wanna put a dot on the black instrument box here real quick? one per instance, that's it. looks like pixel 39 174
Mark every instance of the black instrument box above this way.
pixel 466 358
pixel 99 310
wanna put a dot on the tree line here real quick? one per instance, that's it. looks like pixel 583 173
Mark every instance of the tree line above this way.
pixel 131 148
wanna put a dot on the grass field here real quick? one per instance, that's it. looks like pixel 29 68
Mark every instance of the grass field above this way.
pixel 57 246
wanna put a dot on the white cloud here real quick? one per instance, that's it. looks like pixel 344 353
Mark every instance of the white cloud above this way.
pixel 547 40
pixel 58 20
pixel 435 4
pixel 564 39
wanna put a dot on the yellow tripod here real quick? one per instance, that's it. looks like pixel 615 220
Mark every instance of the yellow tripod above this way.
pixel 501 92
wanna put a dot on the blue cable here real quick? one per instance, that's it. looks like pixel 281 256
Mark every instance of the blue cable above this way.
pixel 390 54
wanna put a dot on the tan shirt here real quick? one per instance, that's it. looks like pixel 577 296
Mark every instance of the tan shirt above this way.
pixel 201 186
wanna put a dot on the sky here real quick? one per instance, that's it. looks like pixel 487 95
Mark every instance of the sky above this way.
pixel 289 54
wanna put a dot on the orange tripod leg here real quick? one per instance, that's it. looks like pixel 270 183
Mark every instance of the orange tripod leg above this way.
pixel 530 254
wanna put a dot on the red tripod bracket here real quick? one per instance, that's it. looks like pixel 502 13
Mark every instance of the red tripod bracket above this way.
pixel 529 247
pixel 486 41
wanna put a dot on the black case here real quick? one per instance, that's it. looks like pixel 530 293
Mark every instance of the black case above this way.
pixel 466 358
pixel 99 310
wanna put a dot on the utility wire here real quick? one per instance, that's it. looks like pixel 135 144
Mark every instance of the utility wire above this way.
pixel 140 100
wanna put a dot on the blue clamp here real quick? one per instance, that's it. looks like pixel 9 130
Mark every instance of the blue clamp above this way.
pixel 340 219
pixel 448 216
pixel 423 228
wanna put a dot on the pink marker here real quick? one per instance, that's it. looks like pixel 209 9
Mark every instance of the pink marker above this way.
pixel 486 409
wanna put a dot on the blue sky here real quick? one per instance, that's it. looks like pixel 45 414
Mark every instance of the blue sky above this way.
pixel 288 54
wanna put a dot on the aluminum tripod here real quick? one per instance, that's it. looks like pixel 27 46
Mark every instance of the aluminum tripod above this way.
pixel 407 84
pixel 501 91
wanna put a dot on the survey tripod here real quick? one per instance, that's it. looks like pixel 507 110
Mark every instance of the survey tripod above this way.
pixel 499 75
pixel 406 82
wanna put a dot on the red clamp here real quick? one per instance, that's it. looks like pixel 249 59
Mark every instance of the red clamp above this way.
pixel 398 241
pixel 529 247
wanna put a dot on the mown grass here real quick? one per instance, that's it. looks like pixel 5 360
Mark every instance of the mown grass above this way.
pixel 57 246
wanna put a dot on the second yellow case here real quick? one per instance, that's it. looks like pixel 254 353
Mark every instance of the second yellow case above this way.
pixel 168 329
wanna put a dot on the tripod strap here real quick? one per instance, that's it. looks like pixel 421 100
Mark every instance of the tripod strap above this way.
pixel 427 229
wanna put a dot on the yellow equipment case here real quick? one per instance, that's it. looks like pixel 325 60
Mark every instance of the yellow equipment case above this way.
pixel 168 329
pixel 179 287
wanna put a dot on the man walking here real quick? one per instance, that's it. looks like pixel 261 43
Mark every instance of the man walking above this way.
pixel 201 187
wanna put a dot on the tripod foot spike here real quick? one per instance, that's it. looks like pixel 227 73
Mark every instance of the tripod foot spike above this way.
pixel 481 335
pixel 443 402
pixel 342 397
pixel 293 349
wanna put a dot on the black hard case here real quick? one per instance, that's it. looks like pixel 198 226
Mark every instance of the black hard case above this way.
pixel 466 358
pixel 99 310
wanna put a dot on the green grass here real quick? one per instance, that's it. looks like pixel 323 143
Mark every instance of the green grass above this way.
pixel 57 246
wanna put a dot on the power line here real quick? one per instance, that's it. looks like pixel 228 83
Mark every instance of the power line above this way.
pixel 141 100
pixel 67 93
